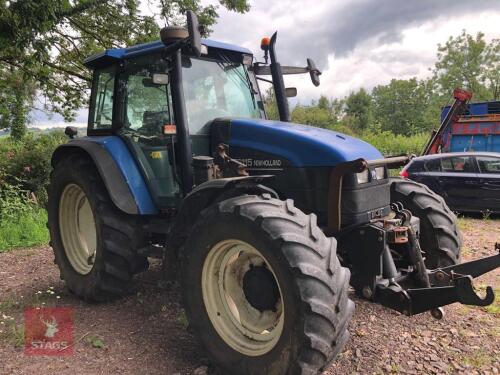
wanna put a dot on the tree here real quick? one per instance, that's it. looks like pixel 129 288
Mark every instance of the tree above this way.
pixel 16 94
pixel 358 108
pixel 471 63
pixel 47 40
pixel 313 115
pixel 400 106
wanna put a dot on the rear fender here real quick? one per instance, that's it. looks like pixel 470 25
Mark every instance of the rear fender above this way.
pixel 118 170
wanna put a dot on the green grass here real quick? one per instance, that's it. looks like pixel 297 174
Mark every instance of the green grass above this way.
pixel 28 230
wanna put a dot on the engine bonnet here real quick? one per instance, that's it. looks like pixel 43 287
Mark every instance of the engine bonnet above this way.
pixel 302 145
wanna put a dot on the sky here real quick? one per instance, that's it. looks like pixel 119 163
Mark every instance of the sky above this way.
pixel 355 43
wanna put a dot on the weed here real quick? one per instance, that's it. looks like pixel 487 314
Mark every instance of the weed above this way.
pixel 6 305
pixel 183 320
pixel 464 223
pixel 95 341
pixel 11 332
pixel 494 308
pixel 486 214
pixel 478 359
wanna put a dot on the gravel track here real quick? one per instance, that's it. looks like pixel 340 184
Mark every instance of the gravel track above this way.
pixel 145 333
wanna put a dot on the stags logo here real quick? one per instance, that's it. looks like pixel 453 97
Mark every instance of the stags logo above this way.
pixel 48 331
pixel 51 327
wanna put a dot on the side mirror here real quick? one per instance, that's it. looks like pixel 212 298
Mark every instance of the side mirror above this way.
pixel 194 32
pixel 313 72
pixel 291 92
pixel 158 79
pixel 71 131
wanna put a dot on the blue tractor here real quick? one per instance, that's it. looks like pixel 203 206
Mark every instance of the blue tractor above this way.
pixel 266 223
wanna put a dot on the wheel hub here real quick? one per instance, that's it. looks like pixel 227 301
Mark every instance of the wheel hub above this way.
pixel 260 288
pixel 77 229
pixel 242 297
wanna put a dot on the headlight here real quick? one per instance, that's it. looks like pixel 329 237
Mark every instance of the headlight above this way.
pixel 380 173
pixel 363 177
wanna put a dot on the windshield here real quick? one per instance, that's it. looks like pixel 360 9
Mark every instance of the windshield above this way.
pixel 217 89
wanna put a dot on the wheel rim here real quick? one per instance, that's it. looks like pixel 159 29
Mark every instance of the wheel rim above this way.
pixel 77 228
pixel 242 297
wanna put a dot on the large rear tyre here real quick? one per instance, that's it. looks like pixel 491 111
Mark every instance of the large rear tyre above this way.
pixel 263 288
pixel 440 237
pixel 94 243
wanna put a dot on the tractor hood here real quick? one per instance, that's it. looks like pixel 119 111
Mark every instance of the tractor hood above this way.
pixel 302 145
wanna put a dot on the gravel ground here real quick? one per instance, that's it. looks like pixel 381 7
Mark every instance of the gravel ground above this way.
pixel 145 333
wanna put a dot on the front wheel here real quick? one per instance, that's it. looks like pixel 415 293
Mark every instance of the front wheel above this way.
pixel 263 288
pixel 440 236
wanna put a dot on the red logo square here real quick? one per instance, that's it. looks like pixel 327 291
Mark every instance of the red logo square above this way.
pixel 48 331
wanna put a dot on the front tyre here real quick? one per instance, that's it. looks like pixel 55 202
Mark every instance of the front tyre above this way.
pixel 263 288
pixel 440 236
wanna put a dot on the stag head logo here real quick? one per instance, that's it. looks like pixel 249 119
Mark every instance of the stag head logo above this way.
pixel 51 327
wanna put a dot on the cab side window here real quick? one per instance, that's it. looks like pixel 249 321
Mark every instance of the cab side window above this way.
pixel 147 104
pixel 488 164
pixel 101 105
pixel 457 164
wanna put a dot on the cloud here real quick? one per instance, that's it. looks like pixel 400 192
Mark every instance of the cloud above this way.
pixel 357 43
pixel 322 28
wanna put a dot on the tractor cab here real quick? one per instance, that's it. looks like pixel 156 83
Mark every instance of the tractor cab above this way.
pixel 132 97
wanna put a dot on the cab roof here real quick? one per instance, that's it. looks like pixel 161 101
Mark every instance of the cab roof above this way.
pixel 116 54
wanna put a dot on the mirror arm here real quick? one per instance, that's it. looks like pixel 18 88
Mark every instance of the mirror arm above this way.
pixel 170 49
pixel 263 79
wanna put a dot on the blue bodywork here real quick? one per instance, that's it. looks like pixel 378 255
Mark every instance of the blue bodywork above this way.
pixel 149 48
pixel 128 166
pixel 303 146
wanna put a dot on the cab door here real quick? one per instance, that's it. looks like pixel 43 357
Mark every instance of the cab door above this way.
pixel 147 126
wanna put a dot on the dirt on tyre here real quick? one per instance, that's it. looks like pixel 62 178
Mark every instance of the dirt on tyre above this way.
pixel 94 243
pixel 263 288
pixel 440 237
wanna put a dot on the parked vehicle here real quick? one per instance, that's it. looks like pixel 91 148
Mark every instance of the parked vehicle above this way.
pixel 468 181
pixel 466 127
pixel 477 129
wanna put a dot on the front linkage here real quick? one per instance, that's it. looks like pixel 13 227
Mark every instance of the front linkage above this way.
pixel 387 263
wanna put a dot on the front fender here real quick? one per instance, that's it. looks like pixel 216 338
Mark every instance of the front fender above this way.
pixel 210 192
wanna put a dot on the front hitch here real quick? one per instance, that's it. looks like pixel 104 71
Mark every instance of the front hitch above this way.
pixel 449 284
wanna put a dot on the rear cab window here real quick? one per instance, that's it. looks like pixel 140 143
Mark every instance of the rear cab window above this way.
pixel 101 102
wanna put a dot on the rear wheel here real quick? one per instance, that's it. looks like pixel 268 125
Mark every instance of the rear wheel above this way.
pixel 94 243
pixel 263 288
pixel 440 237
